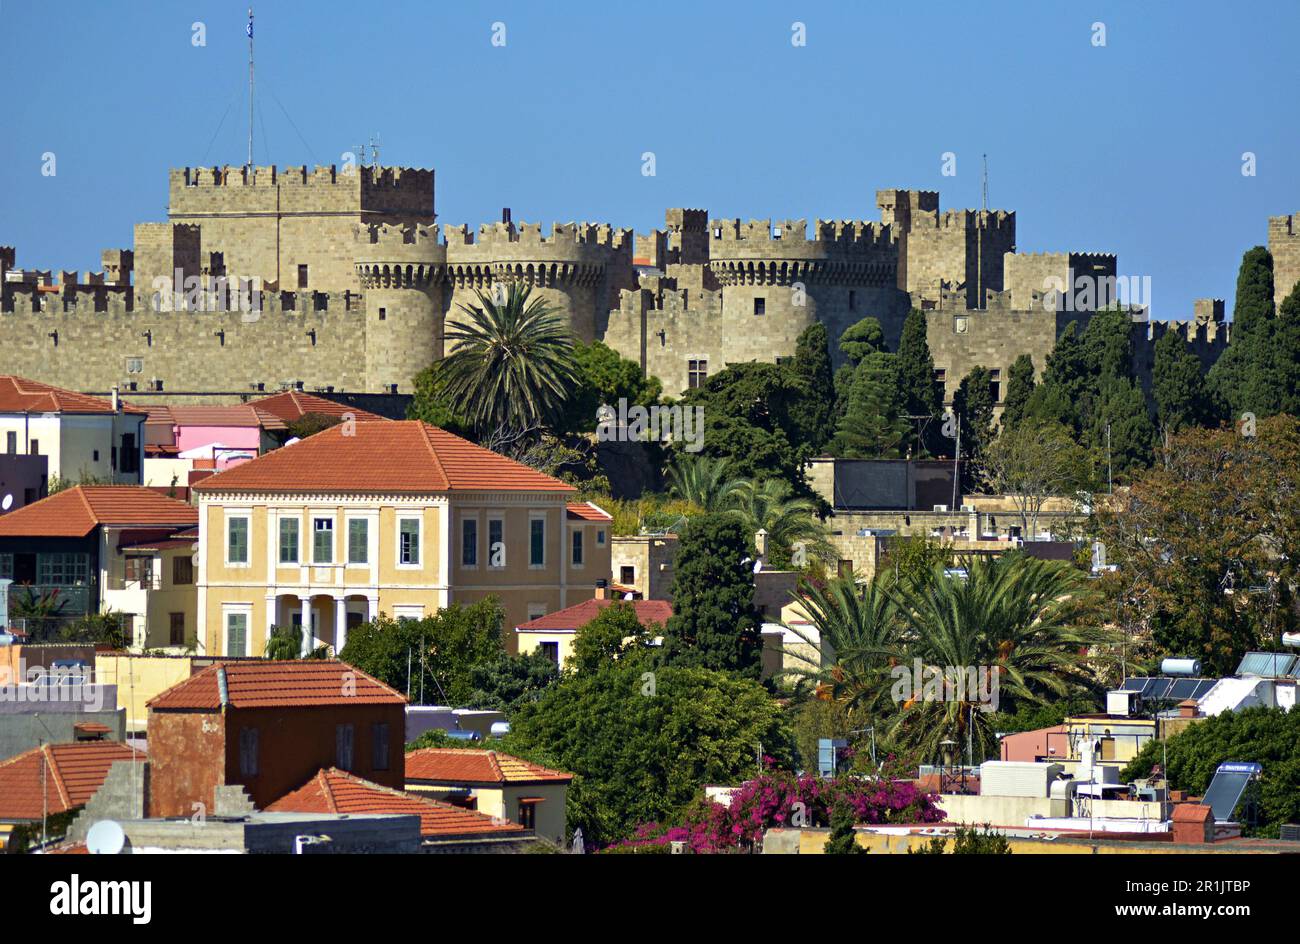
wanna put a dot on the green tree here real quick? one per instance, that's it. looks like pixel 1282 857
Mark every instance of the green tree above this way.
pixel 859 340
pixel 1066 382
pixel 1178 385
pixel 751 418
pixel 973 406
pixel 615 633
pixel 793 528
pixel 432 657
pixel 1020 387
pixel 285 643
pixel 843 838
pixel 1287 352
pixel 702 481
pixel 604 377
pixel 1122 406
pixel 922 395
pixel 509 364
pixel 874 423
pixel 967 840
pixel 1242 378
pixel 714 623
pixel 815 412
pixel 508 681
pixel 430 405
pixel 643 744
pixel 1033 463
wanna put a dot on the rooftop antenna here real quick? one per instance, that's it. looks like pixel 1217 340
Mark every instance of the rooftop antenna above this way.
pixel 249 30
pixel 374 150
pixel 985 196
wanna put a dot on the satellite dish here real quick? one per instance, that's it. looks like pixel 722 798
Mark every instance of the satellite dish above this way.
pixel 6 503
pixel 758 566
pixel 105 838
pixel 291 440
pixel 628 595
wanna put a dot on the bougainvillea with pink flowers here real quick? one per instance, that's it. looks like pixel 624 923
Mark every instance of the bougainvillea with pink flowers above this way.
pixel 776 799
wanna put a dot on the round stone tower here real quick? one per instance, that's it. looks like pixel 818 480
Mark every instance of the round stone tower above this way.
pixel 402 271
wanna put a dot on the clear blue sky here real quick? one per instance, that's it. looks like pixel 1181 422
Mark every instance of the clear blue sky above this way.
pixel 1134 148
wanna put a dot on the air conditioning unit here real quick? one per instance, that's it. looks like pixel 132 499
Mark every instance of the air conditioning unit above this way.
pixel 940 507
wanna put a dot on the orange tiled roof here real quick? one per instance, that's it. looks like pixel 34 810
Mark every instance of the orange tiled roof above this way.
pixel 294 404
pixel 454 765
pixel 72 774
pixel 337 791
pixel 587 511
pixel 236 414
pixel 20 395
pixel 580 614
pixel 273 684
pixel 403 456
pixel 76 511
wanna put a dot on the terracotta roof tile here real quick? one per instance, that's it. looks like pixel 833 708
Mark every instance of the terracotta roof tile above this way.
pixel 336 791
pixel 294 405
pixel 271 683
pixel 454 765
pixel 403 456
pixel 580 614
pixel 587 511
pixel 20 395
pixel 235 414
pixel 72 774
pixel 76 511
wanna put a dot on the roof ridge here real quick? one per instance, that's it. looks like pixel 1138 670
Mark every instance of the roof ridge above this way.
pixel 48 749
pixel 428 441
pixel 85 502
pixel 326 789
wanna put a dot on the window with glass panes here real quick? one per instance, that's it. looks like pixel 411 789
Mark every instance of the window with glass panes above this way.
pixel 63 569
pixel 536 542
pixel 469 543
pixel 408 541
pixel 322 540
pixel 236 634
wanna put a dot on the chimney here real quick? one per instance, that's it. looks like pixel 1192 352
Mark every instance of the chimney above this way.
pixel 760 543
pixel 602 589
pixel 113 398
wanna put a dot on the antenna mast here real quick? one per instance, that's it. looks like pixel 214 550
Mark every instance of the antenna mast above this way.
pixel 986 183
pixel 250 88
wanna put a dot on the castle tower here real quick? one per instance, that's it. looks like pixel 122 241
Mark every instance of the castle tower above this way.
pixel 1284 244
pixel 402 270
pixel 579 269
pixel 776 281
pixel 961 248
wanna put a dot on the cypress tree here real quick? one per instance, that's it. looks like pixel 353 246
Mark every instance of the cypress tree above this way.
pixel 1020 386
pixel 714 623
pixel 973 405
pixel 873 425
pixel 815 414
pixel 1181 396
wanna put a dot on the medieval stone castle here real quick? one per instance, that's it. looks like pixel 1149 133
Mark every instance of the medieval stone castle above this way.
pixel 267 278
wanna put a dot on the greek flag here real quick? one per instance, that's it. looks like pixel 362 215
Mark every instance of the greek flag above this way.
pixel 250 24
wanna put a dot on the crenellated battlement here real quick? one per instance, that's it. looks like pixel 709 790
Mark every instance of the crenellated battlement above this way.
pixel 389 191
pixel 570 251
pixel 75 301
pixel 776 239
pixel 393 256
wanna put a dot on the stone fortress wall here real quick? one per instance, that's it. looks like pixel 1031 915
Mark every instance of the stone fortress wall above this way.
pixel 324 279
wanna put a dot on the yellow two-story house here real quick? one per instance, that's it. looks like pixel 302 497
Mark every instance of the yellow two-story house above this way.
pixel 400 518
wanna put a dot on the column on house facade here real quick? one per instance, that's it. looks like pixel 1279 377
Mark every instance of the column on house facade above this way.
pixel 372 607
pixel 306 626
pixel 271 606
pixel 340 623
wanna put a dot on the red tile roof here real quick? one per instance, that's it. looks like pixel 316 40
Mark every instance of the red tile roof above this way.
pixel 20 395
pixel 403 456
pixel 454 765
pixel 72 774
pixel 337 791
pixel 587 511
pixel 580 614
pixel 274 684
pixel 294 404
pixel 76 511
pixel 235 414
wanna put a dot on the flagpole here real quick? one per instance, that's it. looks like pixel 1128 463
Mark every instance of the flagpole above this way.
pixel 250 89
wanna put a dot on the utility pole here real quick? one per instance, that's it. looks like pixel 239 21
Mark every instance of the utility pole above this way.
pixel 956 467
pixel 250 89
pixel 1110 488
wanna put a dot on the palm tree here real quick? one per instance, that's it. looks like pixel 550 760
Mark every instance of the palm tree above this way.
pixel 789 521
pixel 1020 619
pixel 703 481
pixel 847 654
pixel 512 363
